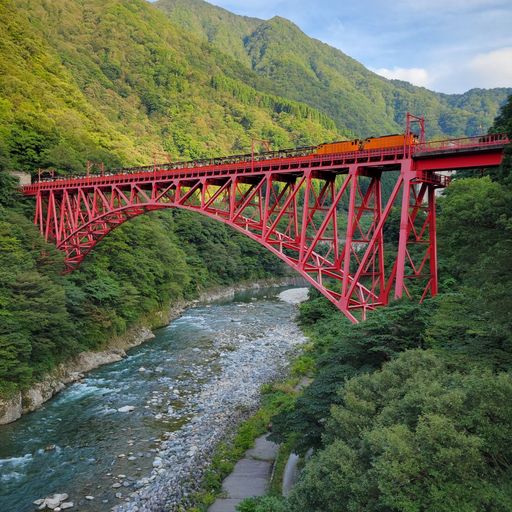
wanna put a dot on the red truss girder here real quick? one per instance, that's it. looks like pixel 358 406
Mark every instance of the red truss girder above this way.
pixel 326 223
pixel 324 215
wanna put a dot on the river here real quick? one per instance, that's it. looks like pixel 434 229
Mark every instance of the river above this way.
pixel 190 384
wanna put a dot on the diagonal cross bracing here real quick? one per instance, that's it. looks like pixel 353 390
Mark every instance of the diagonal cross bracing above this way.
pixel 324 215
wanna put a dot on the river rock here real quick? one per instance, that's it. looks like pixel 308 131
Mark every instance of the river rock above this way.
pixel 294 295
pixel 10 409
pixel 66 505
pixel 52 502
pixel 126 408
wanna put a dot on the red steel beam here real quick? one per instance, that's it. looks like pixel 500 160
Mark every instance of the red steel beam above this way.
pixel 321 214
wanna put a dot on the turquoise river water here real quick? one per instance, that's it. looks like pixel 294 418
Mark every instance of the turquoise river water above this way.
pixel 79 443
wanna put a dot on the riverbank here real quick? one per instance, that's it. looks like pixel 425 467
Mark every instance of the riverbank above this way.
pixel 184 456
pixel 275 397
pixel 105 436
pixel 23 402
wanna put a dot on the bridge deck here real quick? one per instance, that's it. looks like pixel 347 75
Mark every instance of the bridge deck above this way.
pixel 438 154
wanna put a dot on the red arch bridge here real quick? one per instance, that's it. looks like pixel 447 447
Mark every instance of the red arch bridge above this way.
pixel 325 215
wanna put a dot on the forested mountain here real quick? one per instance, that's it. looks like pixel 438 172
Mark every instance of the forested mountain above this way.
pixel 116 81
pixel 308 70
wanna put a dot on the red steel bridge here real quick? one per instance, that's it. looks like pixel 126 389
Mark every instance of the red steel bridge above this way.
pixel 322 214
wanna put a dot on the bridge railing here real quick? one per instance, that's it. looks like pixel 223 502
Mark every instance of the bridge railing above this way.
pixel 439 180
pixel 480 141
pixel 300 155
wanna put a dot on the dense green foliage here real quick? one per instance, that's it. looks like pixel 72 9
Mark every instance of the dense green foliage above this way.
pixel 156 259
pixel 475 312
pixel 342 351
pixel 309 71
pixel 410 410
pixel 115 81
pixel 414 436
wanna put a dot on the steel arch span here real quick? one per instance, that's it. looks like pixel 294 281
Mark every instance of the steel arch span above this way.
pixel 324 215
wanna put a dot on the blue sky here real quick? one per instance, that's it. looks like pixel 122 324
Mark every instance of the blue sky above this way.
pixel 445 45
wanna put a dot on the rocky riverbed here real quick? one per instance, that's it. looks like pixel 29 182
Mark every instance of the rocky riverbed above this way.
pixel 246 363
pixel 73 370
pixel 137 435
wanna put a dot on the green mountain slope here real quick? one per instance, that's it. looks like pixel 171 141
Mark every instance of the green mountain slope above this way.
pixel 116 81
pixel 218 26
pixel 119 80
pixel 308 70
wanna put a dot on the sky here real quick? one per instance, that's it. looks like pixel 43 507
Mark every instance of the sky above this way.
pixel 448 46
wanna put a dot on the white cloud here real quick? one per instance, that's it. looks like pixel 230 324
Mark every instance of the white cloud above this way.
pixel 492 69
pixel 416 76
pixel 484 70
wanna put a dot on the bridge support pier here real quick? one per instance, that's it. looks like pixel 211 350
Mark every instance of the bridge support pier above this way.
pixel 417 244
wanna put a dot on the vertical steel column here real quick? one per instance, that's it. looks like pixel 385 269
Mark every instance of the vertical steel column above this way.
pixel 407 174
pixel 379 229
pixel 232 198
pixel 39 217
pixel 353 176
pixel 335 243
pixel 266 208
pixel 305 217
pixel 432 239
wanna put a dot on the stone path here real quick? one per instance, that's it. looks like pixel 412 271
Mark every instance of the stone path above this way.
pixel 250 477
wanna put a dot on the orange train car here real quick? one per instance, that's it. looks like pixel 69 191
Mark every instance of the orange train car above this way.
pixel 386 141
pixel 338 147
pixel 389 141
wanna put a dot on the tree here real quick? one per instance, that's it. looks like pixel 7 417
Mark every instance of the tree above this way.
pixel 414 436
pixel 343 351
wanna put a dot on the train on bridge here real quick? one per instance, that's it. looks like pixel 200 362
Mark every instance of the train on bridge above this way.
pixel 395 143
pixel 385 142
